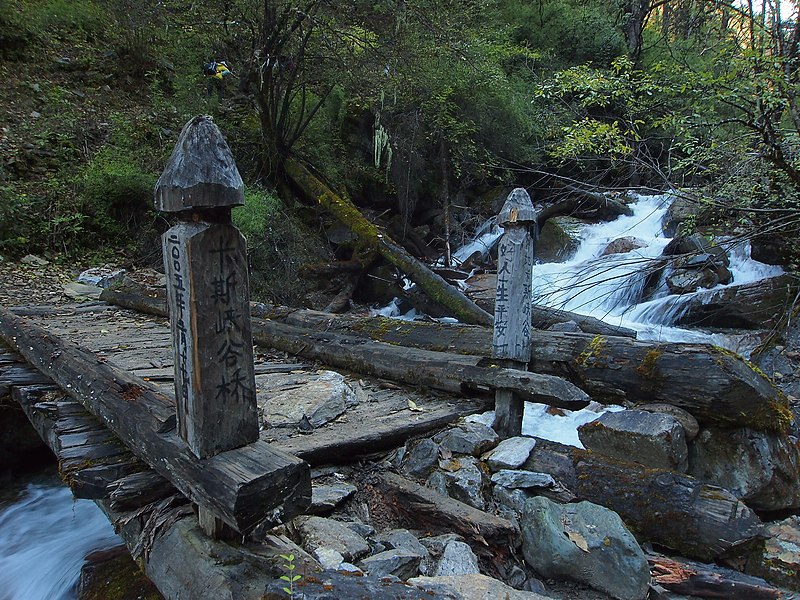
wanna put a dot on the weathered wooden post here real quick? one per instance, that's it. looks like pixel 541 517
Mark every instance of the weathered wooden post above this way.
pixel 511 341
pixel 207 292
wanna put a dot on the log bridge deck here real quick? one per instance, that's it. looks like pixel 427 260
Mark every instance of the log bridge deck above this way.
pixel 134 351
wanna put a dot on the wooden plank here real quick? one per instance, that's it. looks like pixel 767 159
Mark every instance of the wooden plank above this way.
pixel 365 434
pixel 244 487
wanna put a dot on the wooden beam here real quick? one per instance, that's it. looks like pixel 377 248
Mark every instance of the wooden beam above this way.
pixel 243 487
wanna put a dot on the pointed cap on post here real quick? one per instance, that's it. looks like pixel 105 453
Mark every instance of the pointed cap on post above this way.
pixel 518 209
pixel 201 173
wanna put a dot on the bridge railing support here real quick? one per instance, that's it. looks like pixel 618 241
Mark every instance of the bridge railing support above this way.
pixel 205 262
pixel 511 339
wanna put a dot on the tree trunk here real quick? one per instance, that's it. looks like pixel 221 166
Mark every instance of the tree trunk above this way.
pixel 438 370
pixel 435 286
pixel 713 384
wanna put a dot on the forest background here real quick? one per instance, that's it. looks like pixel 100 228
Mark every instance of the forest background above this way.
pixel 423 113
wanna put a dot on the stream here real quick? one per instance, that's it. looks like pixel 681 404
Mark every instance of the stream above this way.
pixel 45 536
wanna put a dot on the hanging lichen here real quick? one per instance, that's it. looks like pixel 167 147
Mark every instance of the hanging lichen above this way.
pixel 381 144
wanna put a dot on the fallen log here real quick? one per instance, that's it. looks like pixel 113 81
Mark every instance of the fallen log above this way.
pixel 662 507
pixel 434 285
pixel 243 487
pixel 709 581
pixel 585 204
pixel 715 385
pixel 438 370
pixel 491 538
pixel 482 290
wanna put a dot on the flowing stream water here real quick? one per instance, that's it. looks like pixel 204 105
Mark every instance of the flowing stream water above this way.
pixel 45 536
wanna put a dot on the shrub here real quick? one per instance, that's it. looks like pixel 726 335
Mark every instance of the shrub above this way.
pixel 278 244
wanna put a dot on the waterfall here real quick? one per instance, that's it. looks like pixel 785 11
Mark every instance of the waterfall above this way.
pixel 44 537
pixel 611 287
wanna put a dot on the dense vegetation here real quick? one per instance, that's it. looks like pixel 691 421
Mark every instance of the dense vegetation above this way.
pixel 421 111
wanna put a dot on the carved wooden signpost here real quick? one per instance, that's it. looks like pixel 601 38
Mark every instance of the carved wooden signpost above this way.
pixel 511 340
pixel 207 292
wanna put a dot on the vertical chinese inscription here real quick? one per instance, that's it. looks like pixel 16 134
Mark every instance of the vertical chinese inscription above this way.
pixel 512 309
pixel 210 319
pixel 511 339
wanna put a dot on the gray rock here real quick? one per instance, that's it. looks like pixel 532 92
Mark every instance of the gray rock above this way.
pixel 759 467
pixel 421 459
pixel 584 542
pixel 457 559
pixel 328 557
pixel 397 562
pixel 567 326
pixel 466 483
pixel 320 397
pixel 512 499
pixel 623 245
pixel 438 482
pixel 326 497
pixel 437 543
pixel 403 539
pixel 80 291
pixel 475 587
pixel 510 453
pixel 102 277
pixel 523 479
pixel 362 529
pixel 654 440
pixel 34 261
pixel 685 281
pixel 779 560
pixel 468 438
pixel 690 425
pixel 319 532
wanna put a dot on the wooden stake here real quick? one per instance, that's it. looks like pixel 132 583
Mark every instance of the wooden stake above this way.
pixel 511 339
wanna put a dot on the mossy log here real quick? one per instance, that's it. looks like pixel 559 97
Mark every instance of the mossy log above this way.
pixel 672 510
pixel 453 373
pixel 715 385
pixel 585 205
pixel 456 303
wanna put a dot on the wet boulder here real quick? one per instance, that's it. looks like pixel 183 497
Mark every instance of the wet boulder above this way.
pixel 584 542
pixel 558 239
pixel 759 467
pixel 779 560
pixel 623 245
pixel 689 423
pixel 651 439
pixel 421 459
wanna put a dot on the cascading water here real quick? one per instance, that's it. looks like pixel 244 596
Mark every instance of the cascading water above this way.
pixel 610 287
pixel 45 536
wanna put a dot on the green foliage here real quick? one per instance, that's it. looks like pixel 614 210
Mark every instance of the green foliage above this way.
pixel 278 244
pixel 116 195
pixel 291 577
pixel 66 16
pixel 569 32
